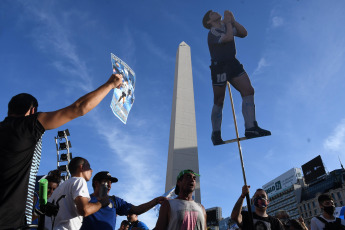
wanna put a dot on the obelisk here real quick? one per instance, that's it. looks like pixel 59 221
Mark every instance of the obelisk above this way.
pixel 183 146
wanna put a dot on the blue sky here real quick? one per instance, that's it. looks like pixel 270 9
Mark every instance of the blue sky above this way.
pixel 294 55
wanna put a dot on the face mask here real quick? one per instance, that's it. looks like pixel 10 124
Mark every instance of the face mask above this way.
pixel 329 210
pixel 260 202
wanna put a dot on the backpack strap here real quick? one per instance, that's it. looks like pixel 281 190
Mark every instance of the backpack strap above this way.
pixel 322 220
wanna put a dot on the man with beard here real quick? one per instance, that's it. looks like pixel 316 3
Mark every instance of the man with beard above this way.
pixel 326 220
pixel 182 212
pixel 261 220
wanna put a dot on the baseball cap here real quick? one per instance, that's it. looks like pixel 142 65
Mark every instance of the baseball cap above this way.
pixel 104 175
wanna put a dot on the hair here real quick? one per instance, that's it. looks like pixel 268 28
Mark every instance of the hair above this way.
pixel 21 103
pixel 124 222
pixel 282 212
pixel 206 19
pixel 323 197
pixel 74 164
pixel 54 176
pixel 296 224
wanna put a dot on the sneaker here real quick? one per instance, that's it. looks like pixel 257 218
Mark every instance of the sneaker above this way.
pixel 217 138
pixel 256 131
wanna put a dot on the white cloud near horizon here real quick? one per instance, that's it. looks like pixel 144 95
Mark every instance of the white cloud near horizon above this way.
pixel 336 141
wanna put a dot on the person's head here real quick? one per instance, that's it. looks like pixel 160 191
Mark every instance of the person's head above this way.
pixel 124 225
pixel 54 179
pixel 22 104
pixel 186 181
pixel 80 167
pixel 101 178
pixel 260 199
pixel 209 18
pixel 132 217
pixel 284 217
pixel 326 204
pixel 295 225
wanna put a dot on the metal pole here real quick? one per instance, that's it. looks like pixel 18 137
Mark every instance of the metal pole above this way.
pixel 242 164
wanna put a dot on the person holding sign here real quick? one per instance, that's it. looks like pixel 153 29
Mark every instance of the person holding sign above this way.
pixel 20 147
pixel 226 68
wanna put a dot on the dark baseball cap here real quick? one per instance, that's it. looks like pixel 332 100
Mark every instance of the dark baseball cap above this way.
pixel 104 175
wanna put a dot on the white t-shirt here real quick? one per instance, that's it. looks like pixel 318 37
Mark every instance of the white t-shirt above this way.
pixel 68 217
pixel 316 224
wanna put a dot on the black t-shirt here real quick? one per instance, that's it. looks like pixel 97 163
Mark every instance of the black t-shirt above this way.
pixel 261 223
pixel 220 52
pixel 18 139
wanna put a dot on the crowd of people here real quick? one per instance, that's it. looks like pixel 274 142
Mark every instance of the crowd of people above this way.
pixel 20 150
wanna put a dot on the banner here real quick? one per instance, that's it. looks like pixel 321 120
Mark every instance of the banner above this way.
pixel 123 98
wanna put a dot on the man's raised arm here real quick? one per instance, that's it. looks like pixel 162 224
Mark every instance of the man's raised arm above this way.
pixel 241 31
pixel 236 211
pixel 52 120
pixel 140 209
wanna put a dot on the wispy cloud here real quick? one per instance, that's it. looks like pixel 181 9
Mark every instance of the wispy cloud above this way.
pixel 277 21
pixel 52 37
pixel 336 141
pixel 261 65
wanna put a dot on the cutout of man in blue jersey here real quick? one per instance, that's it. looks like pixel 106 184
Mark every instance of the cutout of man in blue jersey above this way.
pixel 226 68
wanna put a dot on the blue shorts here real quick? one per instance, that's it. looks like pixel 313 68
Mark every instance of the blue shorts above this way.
pixel 224 71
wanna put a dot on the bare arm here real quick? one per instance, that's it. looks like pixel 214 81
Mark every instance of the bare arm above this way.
pixel 84 207
pixel 147 206
pixel 229 36
pixel 52 120
pixel 164 216
pixel 241 31
pixel 236 211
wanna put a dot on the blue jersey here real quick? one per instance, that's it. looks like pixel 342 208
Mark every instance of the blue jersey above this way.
pixel 220 52
pixel 105 218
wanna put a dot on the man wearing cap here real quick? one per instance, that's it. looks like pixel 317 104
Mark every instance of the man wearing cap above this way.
pixel 74 203
pixel 105 218
pixel 182 212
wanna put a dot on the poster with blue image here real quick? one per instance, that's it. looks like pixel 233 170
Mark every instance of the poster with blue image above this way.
pixel 123 98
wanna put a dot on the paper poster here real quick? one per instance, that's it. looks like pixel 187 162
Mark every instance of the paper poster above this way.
pixel 123 98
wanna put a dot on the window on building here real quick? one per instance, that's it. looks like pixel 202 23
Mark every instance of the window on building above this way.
pixel 341 203
pixel 333 196
pixel 310 213
pixel 308 206
pixel 313 204
pixel 305 207
pixel 315 212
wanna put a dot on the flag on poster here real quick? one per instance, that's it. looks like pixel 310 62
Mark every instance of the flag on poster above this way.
pixel 123 98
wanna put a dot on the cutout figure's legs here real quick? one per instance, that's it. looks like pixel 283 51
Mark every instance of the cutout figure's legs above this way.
pixel 244 86
pixel 217 114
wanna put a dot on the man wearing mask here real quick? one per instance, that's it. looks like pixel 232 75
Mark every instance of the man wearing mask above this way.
pixel 326 220
pixel 261 220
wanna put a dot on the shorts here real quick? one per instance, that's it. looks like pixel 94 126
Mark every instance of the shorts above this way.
pixel 224 71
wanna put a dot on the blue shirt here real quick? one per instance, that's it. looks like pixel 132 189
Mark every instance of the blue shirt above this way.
pixel 105 218
pixel 139 224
